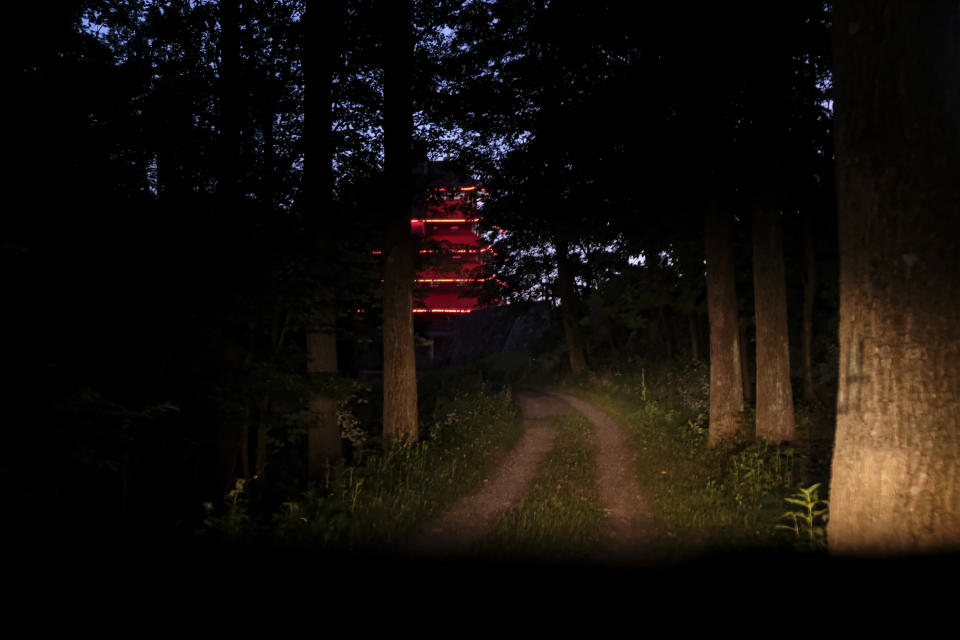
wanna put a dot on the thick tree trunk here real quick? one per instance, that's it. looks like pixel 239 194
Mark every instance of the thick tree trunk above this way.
pixel 775 418
pixel 323 21
pixel 809 297
pixel 895 486
pixel 568 311
pixel 323 431
pixel 399 363
pixel 726 386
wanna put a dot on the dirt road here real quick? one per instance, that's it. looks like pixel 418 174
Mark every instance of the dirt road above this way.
pixel 627 526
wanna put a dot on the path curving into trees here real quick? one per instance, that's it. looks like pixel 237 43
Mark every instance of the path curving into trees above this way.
pixel 626 507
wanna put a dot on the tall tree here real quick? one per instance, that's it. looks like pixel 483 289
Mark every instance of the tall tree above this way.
pixel 809 299
pixel 569 303
pixel 232 105
pixel 767 89
pixel 895 484
pixel 726 386
pixel 774 400
pixel 234 437
pixel 399 363
pixel 323 21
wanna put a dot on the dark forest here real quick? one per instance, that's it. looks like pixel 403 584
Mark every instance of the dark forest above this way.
pixel 298 278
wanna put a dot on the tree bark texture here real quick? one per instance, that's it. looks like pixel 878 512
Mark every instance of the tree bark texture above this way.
pixel 775 418
pixel 809 298
pixel 746 370
pixel 568 311
pixel 399 363
pixel 726 386
pixel 323 430
pixel 895 485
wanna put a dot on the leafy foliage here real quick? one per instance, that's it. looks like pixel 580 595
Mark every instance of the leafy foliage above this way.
pixel 384 495
pixel 809 522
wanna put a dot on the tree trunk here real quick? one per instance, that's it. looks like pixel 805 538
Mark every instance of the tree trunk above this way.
pixel 260 461
pixel 323 431
pixel 322 22
pixel 809 297
pixel 399 362
pixel 323 27
pixel 231 108
pixel 775 418
pixel 227 455
pixel 245 450
pixel 745 368
pixel 694 336
pixel 726 385
pixel 895 485
pixel 268 172
pixel 568 311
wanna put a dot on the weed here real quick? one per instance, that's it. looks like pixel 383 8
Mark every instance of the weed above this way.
pixel 759 469
pixel 235 521
pixel 809 523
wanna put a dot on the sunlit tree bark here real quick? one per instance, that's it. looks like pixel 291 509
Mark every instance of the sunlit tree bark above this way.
pixel 895 486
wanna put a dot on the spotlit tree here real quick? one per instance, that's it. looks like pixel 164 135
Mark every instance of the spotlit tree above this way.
pixel 895 486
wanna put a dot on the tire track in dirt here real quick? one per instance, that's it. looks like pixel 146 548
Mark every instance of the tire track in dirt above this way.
pixel 627 509
pixel 470 518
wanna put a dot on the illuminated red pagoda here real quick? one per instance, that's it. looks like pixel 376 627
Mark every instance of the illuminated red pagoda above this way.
pixel 455 257
pixel 451 249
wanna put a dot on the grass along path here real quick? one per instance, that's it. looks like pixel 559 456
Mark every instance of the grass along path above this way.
pixel 459 528
pixel 567 492
pixel 703 501
pixel 560 518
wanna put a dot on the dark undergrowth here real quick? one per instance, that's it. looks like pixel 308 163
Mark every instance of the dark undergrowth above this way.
pixel 380 497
